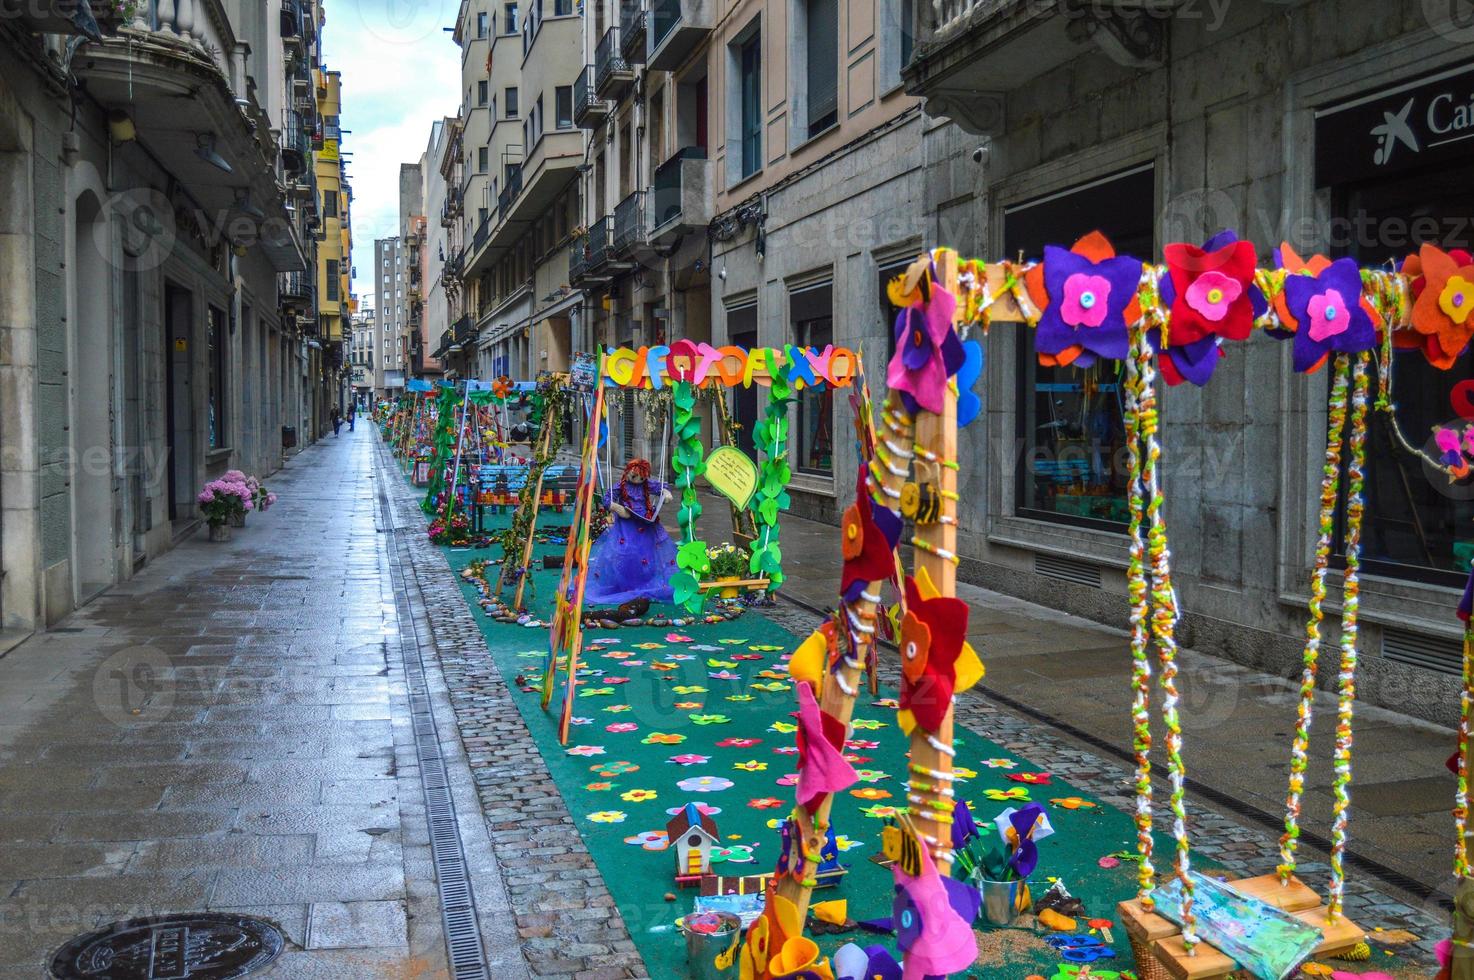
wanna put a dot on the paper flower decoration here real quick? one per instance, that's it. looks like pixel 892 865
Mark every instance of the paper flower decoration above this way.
pixel 705 784
pixel 883 811
pixel 1444 291
pixel 864 744
pixel 765 803
pixel 620 727
pixel 1000 795
pixel 677 638
pixel 595 692
pixel 617 708
pixel 788 779
pixel 1032 778
pixel 608 816
pixel 868 724
pixel 586 750
pixel 598 787
pixel 720 663
pixel 1087 296
pixel 741 698
pixel 689 759
pixel 1211 295
pixel 933 918
pixel 821 769
pixel 580 721
pixel 891 703
pixel 706 809
pixel 783 727
pixel 664 666
pixel 1073 803
pixel 637 795
pixel 737 854
pixel 610 769
pixel 871 775
pixel 868 550
pixel 732 642
pixel 752 765
pixel 663 738
pixel 745 656
pixel 962 774
pixel 771 687
pixel 688 705
pixel 723 675
pixel 689 689
pixel 870 793
pixel 1322 303
pixel 927 351
pixel 650 840
pixel 933 631
pixel 709 719
pixel 738 743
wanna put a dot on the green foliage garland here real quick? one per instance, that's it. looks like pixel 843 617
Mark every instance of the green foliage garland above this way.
pixel 689 462
pixel 447 418
pixel 770 435
pixel 550 405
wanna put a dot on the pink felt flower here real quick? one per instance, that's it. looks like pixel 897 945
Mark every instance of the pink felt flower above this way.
pixel 1328 315
pixel 1212 293
pixel 690 759
pixel 620 727
pixel 1085 300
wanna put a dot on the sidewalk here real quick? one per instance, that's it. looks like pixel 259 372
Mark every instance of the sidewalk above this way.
pixel 1073 676
pixel 233 731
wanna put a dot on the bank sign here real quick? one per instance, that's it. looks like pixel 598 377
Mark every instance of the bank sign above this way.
pixel 1411 126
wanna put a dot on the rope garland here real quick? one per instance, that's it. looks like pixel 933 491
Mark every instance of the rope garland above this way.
pixel 1141 668
pixel 1461 796
pixel 1346 681
pixel 1329 491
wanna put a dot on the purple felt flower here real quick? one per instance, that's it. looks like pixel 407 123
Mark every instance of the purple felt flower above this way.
pixel 964 827
pixel 1328 312
pixel 1087 305
pixel 1025 856
pixel 927 351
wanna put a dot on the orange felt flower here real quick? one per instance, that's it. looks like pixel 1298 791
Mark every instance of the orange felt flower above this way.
pixel 915 643
pixel 852 538
pixel 870 793
pixel 1442 309
pixel 1073 803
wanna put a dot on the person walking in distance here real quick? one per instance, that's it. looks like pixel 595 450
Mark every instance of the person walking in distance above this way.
pixel 337 419
pixel 352 415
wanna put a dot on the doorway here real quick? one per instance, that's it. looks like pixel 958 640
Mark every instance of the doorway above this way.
pixel 179 403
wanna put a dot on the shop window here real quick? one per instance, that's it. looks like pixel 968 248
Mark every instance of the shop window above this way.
pixel 219 392
pixel 1072 463
pixel 1416 524
pixel 812 315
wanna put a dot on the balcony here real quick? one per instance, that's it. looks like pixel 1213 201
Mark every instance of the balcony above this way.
pixel 292 19
pixel 601 249
pixel 677 28
pixel 442 346
pixel 532 185
pixel 633 20
pixel 508 195
pixel 629 225
pixel 172 69
pixel 478 241
pixel 969 53
pixel 578 259
pixel 296 148
pixel 612 74
pixel 681 196
pixel 588 111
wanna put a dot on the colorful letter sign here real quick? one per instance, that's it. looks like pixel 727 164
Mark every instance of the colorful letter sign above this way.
pixel 702 364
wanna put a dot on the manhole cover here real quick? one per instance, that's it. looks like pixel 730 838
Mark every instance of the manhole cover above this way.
pixel 183 947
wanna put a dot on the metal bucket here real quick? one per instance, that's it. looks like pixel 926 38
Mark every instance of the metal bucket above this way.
pixel 711 953
pixel 1003 902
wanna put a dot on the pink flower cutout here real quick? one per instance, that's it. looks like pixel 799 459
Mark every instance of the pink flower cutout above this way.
pixel 690 759
pixel 1328 314
pixel 1085 300
pixel 790 779
pixel 738 743
pixel 1212 293
pixel 621 726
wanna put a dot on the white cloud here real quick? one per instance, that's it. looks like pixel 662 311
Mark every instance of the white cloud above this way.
pixel 401 71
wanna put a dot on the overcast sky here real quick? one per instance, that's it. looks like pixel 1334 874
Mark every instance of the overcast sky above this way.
pixel 401 72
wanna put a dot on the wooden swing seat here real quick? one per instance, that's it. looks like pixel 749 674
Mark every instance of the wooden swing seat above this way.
pixel 750 584
pixel 1301 901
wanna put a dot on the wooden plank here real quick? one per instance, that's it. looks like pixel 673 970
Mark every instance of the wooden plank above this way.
pixel 1339 936
pixel 1205 963
pixel 1147 927
pixel 1293 896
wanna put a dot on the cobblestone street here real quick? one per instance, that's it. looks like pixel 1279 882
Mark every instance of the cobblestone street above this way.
pixel 244 728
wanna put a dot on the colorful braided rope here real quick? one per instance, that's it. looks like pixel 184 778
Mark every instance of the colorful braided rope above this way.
pixel 1461 796
pixel 1350 603
pixel 1141 668
pixel 1330 488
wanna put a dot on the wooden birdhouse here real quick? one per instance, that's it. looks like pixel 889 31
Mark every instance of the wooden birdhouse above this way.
pixel 692 835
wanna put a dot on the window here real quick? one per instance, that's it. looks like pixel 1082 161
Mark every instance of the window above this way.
pixel 509 18
pixel 1070 419
pixel 483 159
pixel 481 92
pixel 509 102
pixel 329 204
pixel 219 392
pixel 748 121
pixel 812 315
pixel 821 50
pixel 481 24
pixel 332 277
pixel 538 120
pixel 563 103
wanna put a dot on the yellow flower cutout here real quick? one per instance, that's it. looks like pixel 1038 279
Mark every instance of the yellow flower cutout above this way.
pixel 662 738
pixel 689 689
pixel 617 708
pixel 1073 803
pixel 783 727
pixel 688 705
pixel 751 765
pixel 867 724
pixel 962 772
pixel 1457 299
pixel 594 692
pixel 608 816
pixel 770 686
pixel 870 793
pixel 721 663
pixel 638 795
pixel 1003 795
pixel 741 698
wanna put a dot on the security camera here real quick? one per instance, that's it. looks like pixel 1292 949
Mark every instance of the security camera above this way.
pixel 722 275
pixel 980 155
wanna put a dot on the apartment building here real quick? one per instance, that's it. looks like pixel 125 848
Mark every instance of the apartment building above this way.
pixel 521 155
pixel 748 165
pixel 389 317
pixel 334 257
pixel 361 357
pixel 434 252
pixel 158 161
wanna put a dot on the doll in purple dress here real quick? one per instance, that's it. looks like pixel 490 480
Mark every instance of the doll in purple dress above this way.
pixel 634 557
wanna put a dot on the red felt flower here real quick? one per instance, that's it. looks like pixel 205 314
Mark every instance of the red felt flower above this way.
pixel 1213 291
pixel 927 692
pixel 867 552
pixel 1032 778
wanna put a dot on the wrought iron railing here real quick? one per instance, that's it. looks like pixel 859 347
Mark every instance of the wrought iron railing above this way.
pixel 601 243
pixel 629 223
pixel 665 190
pixel 633 18
pixel 607 58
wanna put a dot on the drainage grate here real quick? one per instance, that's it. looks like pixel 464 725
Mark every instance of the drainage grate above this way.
pixel 1428 652
pixel 201 946
pixel 1067 570
pixel 457 901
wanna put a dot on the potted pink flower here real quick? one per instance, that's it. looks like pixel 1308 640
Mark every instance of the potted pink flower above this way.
pixel 224 502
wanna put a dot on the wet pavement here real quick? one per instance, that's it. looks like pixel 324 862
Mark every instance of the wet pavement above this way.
pixel 231 731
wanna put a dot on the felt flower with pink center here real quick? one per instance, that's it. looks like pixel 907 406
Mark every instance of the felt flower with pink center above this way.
pixel 689 759
pixel 620 727
pixel 586 750
pixel 1322 302
pixel 1212 294
pixel 1086 296
pixel 1328 315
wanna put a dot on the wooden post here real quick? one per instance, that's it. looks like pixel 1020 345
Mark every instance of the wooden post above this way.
pixel 937 434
